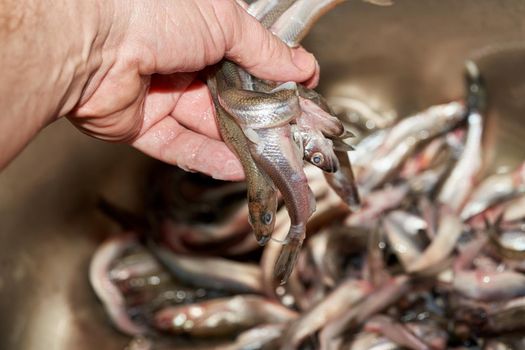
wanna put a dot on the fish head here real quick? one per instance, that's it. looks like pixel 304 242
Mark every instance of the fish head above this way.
pixel 319 151
pixel 262 216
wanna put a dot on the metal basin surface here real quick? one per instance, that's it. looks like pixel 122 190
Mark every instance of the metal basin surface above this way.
pixel 399 59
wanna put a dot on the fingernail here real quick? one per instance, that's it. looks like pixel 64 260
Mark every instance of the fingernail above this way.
pixel 303 60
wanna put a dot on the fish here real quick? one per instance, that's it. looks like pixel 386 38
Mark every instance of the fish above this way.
pixel 508 244
pixel 332 306
pixel 462 179
pixel 370 341
pixel 410 223
pixel 395 331
pixel 262 337
pixel 221 317
pixel 374 269
pixel 376 203
pixel 317 114
pixel 449 229
pixel 405 138
pixel 494 189
pixel 403 243
pixel 489 286
pixel 297 21
pixel 435 119
pixel 426 158
pixel 275 152
pixel 360 114
pixel 278 156
pixel 514 210
pixel 106 290
pixel 261 192
pixel 268 11
pixel 505 317
pixel 137 264
pixel 211 272
pixel 368 145
pixel 375 301
pixel 234 226
pixel 317 150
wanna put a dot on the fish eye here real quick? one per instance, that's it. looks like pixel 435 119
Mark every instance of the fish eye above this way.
pixel 317 158
pixel 266 218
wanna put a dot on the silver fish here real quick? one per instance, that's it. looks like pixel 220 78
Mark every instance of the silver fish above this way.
pixel 494 189
pixel 401 241
pixel 403 140
pixel 337 302
pixel 106 290
pixel 376 203
pixel 449 229
pixel 395 331
pixel 297 21
pixel 440 118
pixel 214 273
pixel 268 11
pixel 260 337
pixel 372 341
pixel 489 286
pixel 261 192
pixel 221 317
pixel 461 181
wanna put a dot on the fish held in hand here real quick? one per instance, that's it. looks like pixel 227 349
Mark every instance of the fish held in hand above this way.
pixel 262 195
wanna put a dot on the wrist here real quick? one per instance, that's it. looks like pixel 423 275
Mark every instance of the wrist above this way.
pixel 83 58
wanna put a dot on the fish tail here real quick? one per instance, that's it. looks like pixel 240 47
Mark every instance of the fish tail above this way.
pixel 289 253
pixel 476 91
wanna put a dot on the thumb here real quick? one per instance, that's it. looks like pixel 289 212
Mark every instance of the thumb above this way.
pixel 257 50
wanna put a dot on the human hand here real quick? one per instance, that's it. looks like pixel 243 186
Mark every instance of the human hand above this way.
pixel 171 116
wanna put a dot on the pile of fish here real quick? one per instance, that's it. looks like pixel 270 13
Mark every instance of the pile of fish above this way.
pixel 433 257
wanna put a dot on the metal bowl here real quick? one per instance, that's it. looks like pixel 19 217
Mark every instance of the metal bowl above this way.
pixel 399 59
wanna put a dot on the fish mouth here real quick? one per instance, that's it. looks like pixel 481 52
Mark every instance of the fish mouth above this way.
pixel 332 167
pixel 263 239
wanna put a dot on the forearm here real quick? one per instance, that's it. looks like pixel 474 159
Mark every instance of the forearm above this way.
pixel 48 51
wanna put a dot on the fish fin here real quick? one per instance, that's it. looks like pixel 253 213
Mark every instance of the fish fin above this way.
pixel 347 134
pixel 251 135
pixel 287 260
pixel 340 145
pixel 476 91
pixel 289 253
pixel 290 85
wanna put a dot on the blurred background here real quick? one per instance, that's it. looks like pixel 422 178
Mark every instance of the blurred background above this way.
pixel 398 59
